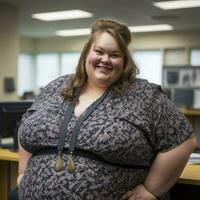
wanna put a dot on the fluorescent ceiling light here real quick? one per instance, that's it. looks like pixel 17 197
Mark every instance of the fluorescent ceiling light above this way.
pixel 169 5
pixel 86 31
pixel 151 28
pixel 62 15
pixel 73 32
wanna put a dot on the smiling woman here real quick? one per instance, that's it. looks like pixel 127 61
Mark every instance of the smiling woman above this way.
pixel 102 133
pixel 104 63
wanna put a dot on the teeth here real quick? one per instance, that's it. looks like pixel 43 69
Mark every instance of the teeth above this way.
pixel 108 68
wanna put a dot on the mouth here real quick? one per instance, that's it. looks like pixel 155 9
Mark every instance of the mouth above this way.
pixel 104 68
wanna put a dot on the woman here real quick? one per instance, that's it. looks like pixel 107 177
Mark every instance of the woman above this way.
pixel 102 133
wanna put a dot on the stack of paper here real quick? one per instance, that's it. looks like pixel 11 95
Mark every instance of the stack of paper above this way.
pixel 194 158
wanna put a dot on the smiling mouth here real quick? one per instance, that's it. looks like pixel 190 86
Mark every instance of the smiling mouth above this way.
pixel 105 68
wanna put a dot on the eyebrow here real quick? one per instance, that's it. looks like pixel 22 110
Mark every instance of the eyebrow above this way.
pixel 115 51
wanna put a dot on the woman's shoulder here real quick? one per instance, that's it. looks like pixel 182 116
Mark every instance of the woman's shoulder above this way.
pixel 59 82
pixel 145 92
pixel 62 79
pixel 142 85
pixel 54 87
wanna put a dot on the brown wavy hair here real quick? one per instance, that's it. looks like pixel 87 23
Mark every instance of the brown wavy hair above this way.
pixel 122 35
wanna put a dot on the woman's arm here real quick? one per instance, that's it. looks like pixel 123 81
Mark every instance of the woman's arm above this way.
pixel 23 159
pixel 164 172
pixel 168 166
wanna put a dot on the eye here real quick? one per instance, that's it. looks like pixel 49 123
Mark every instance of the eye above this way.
pixel 115 55
pixel 99 52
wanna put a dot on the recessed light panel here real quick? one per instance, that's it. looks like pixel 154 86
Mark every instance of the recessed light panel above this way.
pixel 180 4
pixel 86 31
pixel 151 28
pixel 62 15
pixel 73 32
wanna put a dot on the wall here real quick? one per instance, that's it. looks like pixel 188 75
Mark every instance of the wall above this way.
pixel 60 44
pixel 27 45
pixel 9 43
pixel 156 40
pixel 166 40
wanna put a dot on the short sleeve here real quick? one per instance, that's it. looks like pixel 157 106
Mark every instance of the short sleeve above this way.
pixel 170 126
pixel 53 88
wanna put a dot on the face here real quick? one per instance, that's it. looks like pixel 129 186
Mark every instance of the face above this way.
pixel 104 62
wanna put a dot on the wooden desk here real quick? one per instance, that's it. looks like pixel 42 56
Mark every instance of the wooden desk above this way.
pixel 193 112
pixel 190 175
pixel 188 185
pixel 8 155
pixel 8 171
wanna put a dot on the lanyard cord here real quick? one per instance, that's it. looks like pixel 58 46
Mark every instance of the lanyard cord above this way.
pixel 73 139
pixel 63 127
pixel 82 119
pixel 66 120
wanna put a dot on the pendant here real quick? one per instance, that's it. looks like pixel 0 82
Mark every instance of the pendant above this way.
pixel 59 163
pixel 70 164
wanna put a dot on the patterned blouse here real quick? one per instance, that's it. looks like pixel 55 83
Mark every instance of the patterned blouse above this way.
pixel 129 129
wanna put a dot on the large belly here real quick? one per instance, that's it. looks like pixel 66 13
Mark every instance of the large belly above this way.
pixel 91 180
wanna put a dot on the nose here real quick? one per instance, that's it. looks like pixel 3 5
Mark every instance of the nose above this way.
pixel 105 58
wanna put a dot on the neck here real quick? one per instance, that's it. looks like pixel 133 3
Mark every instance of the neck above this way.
pixel 90 87
pixel 90 93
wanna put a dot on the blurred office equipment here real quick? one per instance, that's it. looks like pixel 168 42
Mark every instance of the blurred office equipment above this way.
pixel 184 98
pixel 10 116
pixel 28 95
pixel 184 84
pixel 172 77
pixel 9 85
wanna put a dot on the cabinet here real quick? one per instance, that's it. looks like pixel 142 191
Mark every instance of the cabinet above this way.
pixel 181 77
pixel 8 171
pixel 182 84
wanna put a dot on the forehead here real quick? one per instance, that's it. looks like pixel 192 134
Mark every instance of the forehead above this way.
pixel 106 40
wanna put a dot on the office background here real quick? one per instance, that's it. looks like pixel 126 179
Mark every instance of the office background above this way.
pixel 28 62
pixel 30 56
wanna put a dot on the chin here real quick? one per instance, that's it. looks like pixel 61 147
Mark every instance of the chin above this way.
pixel 105 82
pixel 103 78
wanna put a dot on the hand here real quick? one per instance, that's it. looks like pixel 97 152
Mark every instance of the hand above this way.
pixel 138 193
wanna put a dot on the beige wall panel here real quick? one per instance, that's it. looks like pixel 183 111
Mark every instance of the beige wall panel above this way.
pixel 27 45
pixel 9 42
pixel 166 40
pixel 154 40
pixel 60 44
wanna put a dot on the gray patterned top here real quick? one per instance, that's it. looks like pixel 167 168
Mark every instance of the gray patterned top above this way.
pixel 128 129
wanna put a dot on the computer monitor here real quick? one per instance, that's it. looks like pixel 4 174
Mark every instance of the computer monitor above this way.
pixel 184 97
pixel 172 77
pixel 10 116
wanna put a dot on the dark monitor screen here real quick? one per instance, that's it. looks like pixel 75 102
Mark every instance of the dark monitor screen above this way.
pixel 184 97
pixel 172 77
pixel 10 116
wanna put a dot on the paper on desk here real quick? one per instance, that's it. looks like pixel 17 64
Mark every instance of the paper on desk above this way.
pixel 8 140
pixel 194 158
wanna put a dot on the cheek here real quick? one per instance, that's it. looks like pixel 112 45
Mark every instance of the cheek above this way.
pixel 92 59
pixel 119 64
